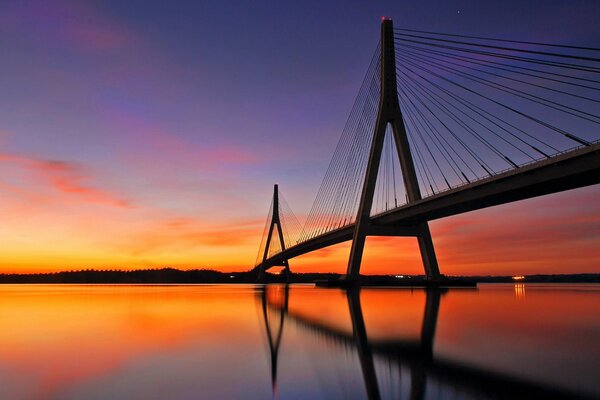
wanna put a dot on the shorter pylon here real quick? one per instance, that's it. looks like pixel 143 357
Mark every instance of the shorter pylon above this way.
pixel 275 222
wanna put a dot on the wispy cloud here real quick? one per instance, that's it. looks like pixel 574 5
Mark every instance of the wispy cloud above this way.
pixel 69 179
pixel 181 233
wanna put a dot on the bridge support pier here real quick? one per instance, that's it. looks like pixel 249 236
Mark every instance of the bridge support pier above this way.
pixel 389 113
pixel 427 250
pixel 275 223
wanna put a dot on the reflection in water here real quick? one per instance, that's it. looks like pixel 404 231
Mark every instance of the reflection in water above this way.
pixel 274 336
pixel 520 290
pixel 204 341
pixel 130 342
pixel 449 378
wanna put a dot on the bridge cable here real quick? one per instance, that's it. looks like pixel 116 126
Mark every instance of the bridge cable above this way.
pixel 503 48
pixel 317 219
pixel 538 121
pixel 428 92
pixel 413 118
pixel 478 110
pixel 325 189
pixel 575 67
pixel 484 165
pixel 504 67
pixel 461 53
pixel 473 154
pixel 500 40
pixel 516 92
pixel 261 247
pixel 422 167
pixel 417 119
pixel 437 134
pixel 446 111
pixel 357 141
pixel 508 78
pixel 360 163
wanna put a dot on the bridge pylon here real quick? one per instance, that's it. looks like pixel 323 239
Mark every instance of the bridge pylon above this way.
pixel 274 336
pixel 275 222
pixel 389 113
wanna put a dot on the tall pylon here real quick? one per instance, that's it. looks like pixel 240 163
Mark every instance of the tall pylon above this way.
pixel 275 221
pixel 389 113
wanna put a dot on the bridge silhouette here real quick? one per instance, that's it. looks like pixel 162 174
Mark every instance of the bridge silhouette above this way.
pixel 446 124
pixel 416 355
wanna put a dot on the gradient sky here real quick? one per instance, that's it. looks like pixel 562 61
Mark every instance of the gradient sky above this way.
pixel 144 133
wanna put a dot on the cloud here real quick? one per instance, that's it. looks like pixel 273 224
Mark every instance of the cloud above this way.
pixel 197 231
pixel 71 180
pixel 183 233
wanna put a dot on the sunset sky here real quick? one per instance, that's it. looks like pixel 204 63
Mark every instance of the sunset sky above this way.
pixel 139 134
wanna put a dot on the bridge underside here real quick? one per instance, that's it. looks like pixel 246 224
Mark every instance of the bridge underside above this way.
pixel 574 169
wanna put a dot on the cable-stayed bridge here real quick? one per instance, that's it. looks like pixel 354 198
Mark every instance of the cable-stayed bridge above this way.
pixel 445 124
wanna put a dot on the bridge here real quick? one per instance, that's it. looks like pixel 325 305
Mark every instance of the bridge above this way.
pixel 446 124
pixel 416 355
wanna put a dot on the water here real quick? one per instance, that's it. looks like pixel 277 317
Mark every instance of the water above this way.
pixel 212 342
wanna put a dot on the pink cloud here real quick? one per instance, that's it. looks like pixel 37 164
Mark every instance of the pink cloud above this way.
pixel 66 178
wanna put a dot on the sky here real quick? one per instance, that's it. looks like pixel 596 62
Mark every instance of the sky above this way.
pixel 146 134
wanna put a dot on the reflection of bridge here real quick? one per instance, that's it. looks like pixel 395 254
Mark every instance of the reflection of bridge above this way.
pixel 417 355
pixel 274 334
pixel 469 108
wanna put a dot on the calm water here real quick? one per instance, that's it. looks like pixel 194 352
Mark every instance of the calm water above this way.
pixel 229 342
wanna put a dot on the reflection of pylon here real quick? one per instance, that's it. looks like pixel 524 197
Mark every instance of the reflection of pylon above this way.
pixel 274 340
pixel 365 354
pixel 418 365
pixel 275 221
pixel 389 113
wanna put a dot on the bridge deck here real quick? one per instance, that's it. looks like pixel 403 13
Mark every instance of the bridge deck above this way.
pixel 569 170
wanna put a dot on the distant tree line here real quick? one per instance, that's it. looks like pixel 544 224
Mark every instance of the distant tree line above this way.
pixel 172 275
pixel 162 275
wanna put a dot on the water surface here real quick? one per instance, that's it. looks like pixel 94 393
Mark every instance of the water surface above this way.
pixel 298 342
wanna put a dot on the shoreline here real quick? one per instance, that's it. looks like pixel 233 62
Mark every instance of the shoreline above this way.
pixel 207 276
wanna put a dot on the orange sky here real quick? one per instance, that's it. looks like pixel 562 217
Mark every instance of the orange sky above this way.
pixel 552 234
pixel 65 223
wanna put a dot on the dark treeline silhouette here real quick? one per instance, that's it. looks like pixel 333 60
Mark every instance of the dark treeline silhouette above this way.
pixel 172 275
pixel 162 275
